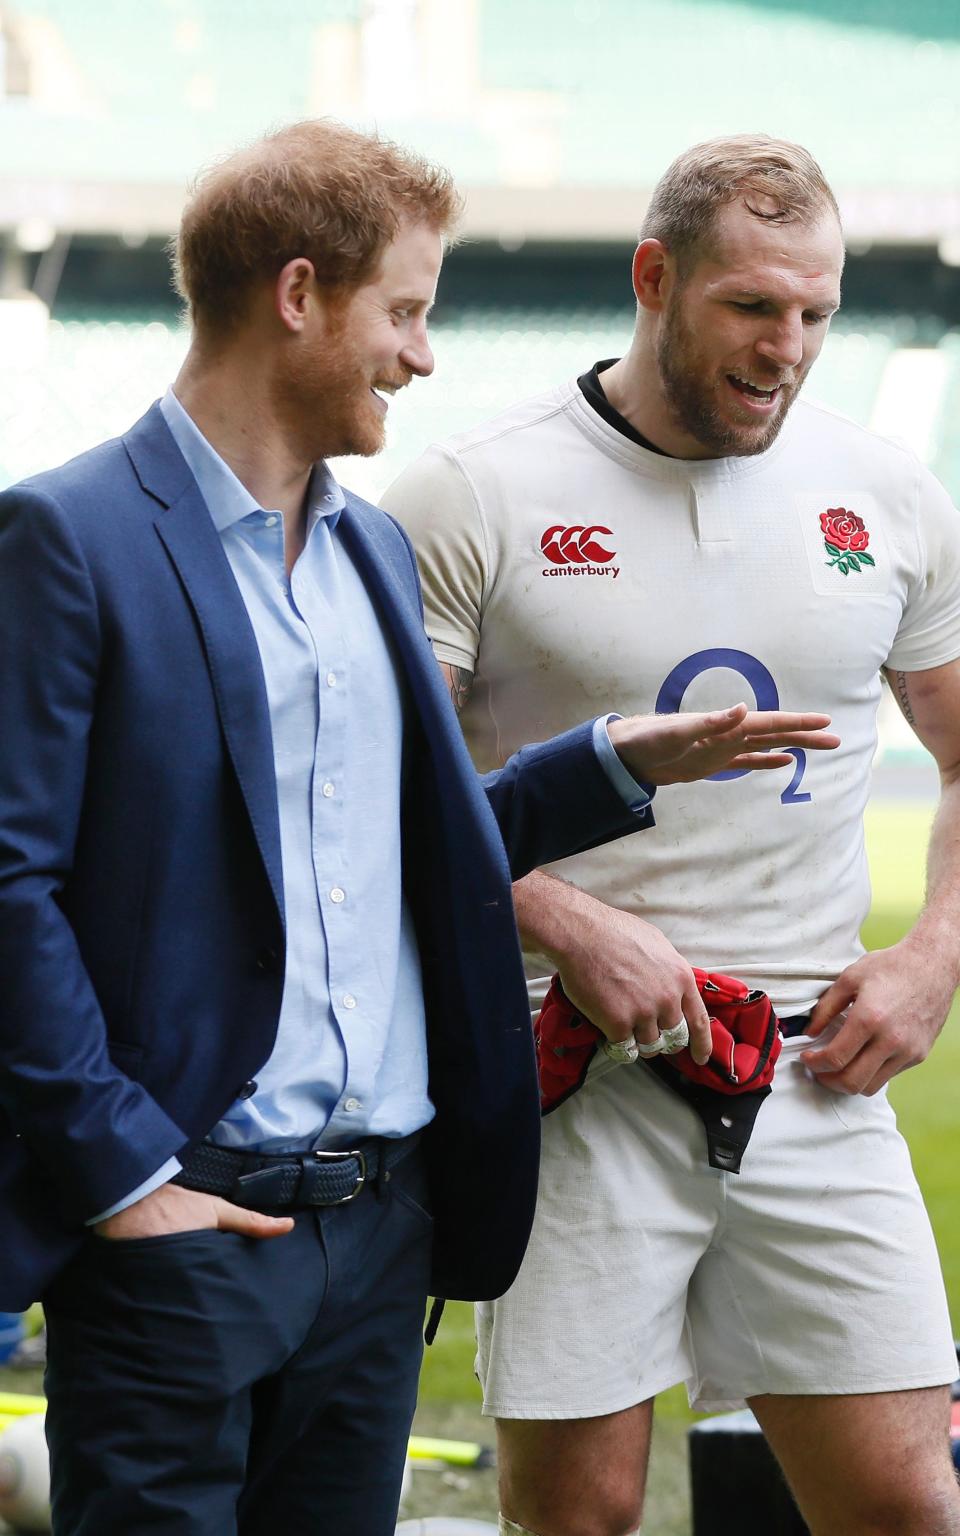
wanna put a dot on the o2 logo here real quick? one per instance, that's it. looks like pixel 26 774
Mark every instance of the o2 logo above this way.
pixel 675 685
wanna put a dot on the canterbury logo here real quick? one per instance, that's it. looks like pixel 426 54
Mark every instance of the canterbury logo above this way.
pixel 577 551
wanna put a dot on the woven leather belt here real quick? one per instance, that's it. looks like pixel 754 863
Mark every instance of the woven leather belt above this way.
pixel 291 1180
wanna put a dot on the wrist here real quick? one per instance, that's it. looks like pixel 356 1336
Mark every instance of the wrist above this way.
pixel 635 792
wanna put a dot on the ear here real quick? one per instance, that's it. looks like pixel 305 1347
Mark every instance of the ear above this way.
pixel 654 274
pixel 293 292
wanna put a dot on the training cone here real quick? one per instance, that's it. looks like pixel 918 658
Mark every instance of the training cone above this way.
pixel 25 1474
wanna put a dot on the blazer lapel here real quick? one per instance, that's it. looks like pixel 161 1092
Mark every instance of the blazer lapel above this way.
pixel 186 528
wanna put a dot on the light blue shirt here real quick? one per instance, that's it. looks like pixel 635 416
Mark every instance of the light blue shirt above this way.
pixel 350 1057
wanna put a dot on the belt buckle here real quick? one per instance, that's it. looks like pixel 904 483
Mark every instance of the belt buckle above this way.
pixel 342 1157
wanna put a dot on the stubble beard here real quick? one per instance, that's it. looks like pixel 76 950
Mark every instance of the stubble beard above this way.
pixel 688 394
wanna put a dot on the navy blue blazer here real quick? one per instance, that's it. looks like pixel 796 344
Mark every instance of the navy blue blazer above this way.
pixel 141 900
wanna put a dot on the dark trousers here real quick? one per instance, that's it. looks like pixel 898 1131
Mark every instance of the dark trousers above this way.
pixel 205 1384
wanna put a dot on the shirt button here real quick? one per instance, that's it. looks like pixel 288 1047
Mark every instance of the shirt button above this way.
pixel 337 895
pixel 328 790
pixel 331 679
pixel 349 1001
pixel 272 520
pixel 351 1104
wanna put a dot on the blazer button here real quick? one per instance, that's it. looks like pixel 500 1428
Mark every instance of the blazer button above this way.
pixel 248 1090
pixel 268 959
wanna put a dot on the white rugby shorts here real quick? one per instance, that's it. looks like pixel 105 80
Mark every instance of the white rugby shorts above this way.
pixel 814 1270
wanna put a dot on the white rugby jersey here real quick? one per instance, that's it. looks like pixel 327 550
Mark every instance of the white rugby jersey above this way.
pixel 573 572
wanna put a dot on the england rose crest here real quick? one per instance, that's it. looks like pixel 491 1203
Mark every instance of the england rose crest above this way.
pixel 845 539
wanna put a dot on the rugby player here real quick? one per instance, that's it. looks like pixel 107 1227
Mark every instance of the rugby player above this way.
pixel 671 522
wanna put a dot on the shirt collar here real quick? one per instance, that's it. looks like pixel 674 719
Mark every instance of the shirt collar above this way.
pixel 228 501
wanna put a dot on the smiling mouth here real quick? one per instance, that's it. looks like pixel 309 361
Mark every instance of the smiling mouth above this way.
pixel 383 392
pixel 757 394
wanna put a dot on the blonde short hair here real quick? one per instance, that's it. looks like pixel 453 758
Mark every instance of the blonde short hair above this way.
pixel 316 189
pixel 777 182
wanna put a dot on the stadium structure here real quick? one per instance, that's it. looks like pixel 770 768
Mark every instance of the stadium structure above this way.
pixel 556 116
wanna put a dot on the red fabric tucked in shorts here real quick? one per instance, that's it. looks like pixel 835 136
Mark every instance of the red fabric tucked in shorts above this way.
pixel 746 1041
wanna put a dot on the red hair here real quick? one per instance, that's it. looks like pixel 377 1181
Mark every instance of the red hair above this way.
pixel 316 189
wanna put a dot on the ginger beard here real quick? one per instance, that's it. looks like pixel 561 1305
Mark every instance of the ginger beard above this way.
pixel 692 384
pixel 325 391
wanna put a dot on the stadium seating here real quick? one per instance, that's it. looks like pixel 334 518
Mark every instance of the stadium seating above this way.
pixel 217 71
pixel 848 372
pixel 609 52
pixel 98 372
pixel 946 458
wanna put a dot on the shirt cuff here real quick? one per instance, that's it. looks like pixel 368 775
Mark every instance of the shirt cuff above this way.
pixel 162 1176
pixel 635 796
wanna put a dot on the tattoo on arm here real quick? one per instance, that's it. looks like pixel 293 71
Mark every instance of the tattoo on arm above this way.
pixel 461 681
pixel 903 697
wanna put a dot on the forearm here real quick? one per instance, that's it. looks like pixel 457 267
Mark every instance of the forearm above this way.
pixel 938 926
pixel 554 799
pixel 891 1004
pixel 551 915
pixel 621 972
pixel 930 703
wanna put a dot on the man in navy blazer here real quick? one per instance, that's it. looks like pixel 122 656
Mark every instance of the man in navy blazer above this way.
pixel 259 975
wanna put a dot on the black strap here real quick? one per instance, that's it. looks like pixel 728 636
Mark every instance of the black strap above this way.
pixel 728 1118
pixel 433 1319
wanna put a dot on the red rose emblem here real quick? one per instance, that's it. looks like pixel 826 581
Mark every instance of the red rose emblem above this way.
pixel 845 538
pixel 844 529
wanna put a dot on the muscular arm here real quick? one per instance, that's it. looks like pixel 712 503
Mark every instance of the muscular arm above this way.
pixel 898 998
pixel 621 972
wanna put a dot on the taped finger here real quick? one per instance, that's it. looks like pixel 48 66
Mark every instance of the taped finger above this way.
pixel 675 1039
pixel 646 1049
pixel 621 1050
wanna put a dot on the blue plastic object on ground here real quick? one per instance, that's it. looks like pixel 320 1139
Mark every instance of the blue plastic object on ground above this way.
pixel 11 1333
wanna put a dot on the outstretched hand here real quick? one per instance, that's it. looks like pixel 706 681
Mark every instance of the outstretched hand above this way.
pixel 676 749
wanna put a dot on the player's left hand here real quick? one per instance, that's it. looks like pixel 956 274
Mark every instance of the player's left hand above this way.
pixel 676 749
pixel 896 1001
